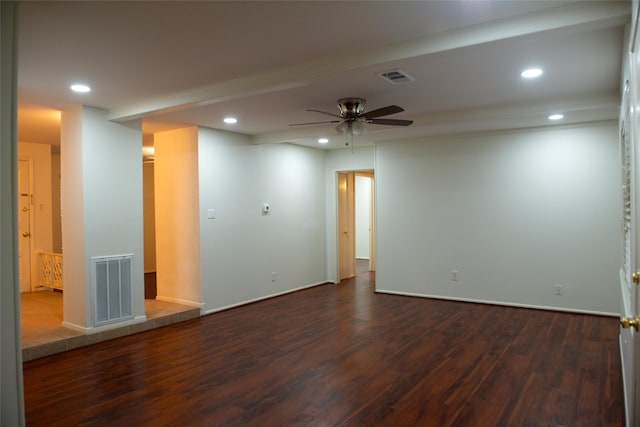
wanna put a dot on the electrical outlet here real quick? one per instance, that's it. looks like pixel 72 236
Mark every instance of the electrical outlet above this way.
pixel 558 289
pixel 454 275
pixel 274 276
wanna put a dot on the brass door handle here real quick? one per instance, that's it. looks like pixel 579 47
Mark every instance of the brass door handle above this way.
pixel 25 234
pixel 626 323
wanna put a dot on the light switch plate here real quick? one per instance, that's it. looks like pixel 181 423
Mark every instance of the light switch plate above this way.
pixel 211 214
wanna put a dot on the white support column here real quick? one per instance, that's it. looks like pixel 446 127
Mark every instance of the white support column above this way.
pixel 101 164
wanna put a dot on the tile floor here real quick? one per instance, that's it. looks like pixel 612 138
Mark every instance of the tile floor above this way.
pixel 43 334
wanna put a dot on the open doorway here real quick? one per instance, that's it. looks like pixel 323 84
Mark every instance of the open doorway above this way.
pixel 356 223
pixel 149 218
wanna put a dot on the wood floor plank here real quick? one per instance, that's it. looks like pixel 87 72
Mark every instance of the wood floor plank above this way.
pixel 342 356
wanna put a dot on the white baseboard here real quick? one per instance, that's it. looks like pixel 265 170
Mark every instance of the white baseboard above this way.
pixel 227 307
pixel 106 327
pixel 501 303
pixel 188 303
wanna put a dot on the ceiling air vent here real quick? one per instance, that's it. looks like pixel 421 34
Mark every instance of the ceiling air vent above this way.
pixel 396 77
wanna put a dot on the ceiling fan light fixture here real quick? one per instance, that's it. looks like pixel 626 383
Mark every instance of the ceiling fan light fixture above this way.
pixel 343 128
pixel 354 127
pixel 352 119
pixel 358 128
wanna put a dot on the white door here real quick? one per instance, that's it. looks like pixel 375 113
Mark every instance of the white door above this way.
pixel 24 224
pixel 629 271
pixel 627 287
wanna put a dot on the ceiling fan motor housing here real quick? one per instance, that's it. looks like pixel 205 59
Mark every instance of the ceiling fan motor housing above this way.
pixel 350 107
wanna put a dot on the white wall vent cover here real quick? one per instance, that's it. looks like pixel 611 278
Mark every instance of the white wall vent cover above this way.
pixel 112 277
pixel 396 77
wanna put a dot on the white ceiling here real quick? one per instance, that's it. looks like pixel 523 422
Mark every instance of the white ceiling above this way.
pixel 265 62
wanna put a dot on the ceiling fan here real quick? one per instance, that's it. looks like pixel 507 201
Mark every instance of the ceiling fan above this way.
pixel 352 116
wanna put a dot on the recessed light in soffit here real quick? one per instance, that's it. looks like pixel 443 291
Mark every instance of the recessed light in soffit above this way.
pixel 80 88
pixel 531 73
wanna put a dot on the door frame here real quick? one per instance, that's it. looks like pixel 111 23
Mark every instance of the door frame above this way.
pixel 372 218
pixel 372 240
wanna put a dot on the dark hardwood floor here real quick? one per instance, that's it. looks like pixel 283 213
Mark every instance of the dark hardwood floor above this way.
pixel 342 355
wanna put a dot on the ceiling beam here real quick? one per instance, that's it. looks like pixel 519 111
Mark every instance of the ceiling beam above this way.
pixel 503 116
pixel 569 18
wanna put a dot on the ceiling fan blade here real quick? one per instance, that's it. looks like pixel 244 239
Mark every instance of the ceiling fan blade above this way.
pixel 390 122
pixel 314 123
pixel 384 111
pixel 324 112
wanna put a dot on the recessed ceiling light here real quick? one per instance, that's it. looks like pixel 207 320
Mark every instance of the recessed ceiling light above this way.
pixel 81 88
pixel 556 117
pixel 323 140
pixel 230 120
pixel 531 73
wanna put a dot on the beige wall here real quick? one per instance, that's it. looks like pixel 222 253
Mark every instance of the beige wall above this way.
pixel 176 216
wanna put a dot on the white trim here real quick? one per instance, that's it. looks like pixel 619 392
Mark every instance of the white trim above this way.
pixel 12 394
pixel 447 136
pixel 634 25
pixel 627 416
pixel 188 303
pixel 227 307
pixel 105 327
pixel 501 303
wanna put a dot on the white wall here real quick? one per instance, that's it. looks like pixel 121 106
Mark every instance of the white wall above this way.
pixel 176 216
pixel 42 207
pixel 241 247
pixel 358 159
pixel 363 214
pixel 515 213
pixel 101 206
